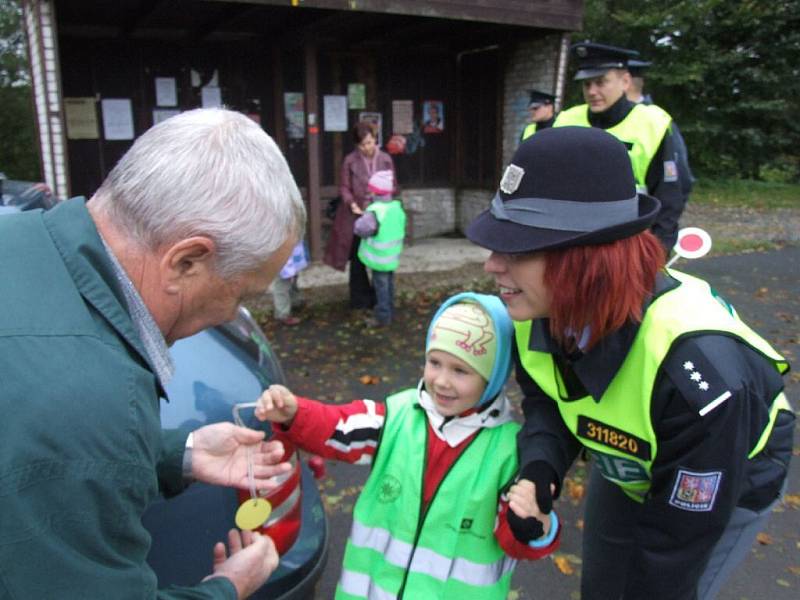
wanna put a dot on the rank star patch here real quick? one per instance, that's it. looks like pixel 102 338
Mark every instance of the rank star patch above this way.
pixel 695 491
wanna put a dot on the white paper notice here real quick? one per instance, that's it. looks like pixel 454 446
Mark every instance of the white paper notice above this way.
pixel 163 114
pixel 166 92
pixel 402 116
pixel 212 97
pixel 117 119
pixel 335 114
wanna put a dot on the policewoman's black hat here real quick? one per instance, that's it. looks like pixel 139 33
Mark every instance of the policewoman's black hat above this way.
pixel 565 186
pixel 538 98
pixel 593 60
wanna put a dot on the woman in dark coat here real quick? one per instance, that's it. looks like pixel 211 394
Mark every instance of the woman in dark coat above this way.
pixel 357 168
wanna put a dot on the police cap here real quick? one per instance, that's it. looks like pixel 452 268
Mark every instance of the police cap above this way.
pixel 637 67
pixel 538 98
pixel 595 59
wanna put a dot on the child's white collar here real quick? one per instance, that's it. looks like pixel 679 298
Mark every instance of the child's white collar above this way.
pixel 457 429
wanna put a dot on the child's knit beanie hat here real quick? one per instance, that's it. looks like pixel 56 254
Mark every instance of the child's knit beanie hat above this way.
pixel 477 329
pixel 466 331
pixel 381 183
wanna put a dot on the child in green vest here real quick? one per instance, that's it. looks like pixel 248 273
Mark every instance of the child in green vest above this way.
pixel 441 515
pixel 382 228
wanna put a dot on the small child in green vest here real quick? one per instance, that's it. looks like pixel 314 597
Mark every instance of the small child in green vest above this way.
pixel 382 228
pixel 441 515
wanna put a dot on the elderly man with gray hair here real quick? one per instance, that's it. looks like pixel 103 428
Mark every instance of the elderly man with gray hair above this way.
pixel 199 214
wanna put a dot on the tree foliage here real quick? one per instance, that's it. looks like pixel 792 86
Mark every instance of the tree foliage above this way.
pixel 727 70
pixel 18 151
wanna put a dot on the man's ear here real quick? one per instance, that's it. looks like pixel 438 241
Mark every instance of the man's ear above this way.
pixel 185 260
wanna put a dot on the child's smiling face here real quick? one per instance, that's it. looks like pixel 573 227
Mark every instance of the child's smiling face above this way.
pixel 453 385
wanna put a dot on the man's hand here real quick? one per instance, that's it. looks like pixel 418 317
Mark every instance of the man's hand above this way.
pixel 219 456
pixel 276 404
pixel 252 560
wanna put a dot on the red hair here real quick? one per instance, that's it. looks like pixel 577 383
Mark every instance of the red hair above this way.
pixel 600 286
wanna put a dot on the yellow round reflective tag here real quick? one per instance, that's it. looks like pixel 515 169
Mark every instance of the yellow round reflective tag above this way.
pixel 253 513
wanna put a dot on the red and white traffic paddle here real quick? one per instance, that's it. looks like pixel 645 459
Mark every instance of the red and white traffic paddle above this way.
pixel 693 242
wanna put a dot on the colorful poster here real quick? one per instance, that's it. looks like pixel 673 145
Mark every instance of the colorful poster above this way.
pixel 295 114
pixel 166 92
pixel 356 96
pixel 334 113
pixel 402 116
pixel 433 116
pixel 81 118
pixel 117 118
pixel 376 119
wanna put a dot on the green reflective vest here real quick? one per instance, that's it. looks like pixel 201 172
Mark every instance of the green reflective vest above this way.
pixel 618 428
pixel 641 132
pixel 381 252
pixel 397 549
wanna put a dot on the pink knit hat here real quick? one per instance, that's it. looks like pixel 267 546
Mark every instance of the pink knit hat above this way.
pixel 381 183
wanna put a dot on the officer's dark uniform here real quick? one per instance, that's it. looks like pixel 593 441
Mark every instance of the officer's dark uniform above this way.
pixel 663 177
pixel 656 539
pixel 538 98
pixel 637 68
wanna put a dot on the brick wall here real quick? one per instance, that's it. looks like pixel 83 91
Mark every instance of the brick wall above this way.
pixel 531 65
pixel 434 211
pixel 470 203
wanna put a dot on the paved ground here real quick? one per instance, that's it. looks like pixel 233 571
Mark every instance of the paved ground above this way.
pixel 332 357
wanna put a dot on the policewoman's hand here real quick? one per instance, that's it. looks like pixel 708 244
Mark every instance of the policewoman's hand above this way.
pixel 526 520
pixel 543 476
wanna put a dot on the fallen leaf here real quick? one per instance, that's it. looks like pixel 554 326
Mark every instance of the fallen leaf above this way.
pixel 795 570
pixel 761 292
pixel 563 565
pixel 369 379
pixel 575 490
pixel 764 539
pixel 579 524
pixel 792 500
pixel 783 583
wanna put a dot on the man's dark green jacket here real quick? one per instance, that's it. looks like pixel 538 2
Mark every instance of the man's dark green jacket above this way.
pixel 82 452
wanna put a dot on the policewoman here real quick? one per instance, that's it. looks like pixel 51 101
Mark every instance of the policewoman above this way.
pixel 644 129
pixel 679 403
pixel 542 113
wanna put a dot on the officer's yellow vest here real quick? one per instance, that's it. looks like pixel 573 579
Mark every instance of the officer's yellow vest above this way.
pixel 529 130
pixel 618 428
pixel 447 551
pixel 641 132
pixel 381 252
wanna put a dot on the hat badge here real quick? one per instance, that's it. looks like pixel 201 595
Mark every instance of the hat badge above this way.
pixel 581 51
pixel 512 177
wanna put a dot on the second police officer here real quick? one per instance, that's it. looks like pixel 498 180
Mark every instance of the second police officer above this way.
pixel 646 130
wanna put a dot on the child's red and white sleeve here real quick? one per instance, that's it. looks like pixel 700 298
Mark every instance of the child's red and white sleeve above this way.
pixel 346 432
pixel 519 550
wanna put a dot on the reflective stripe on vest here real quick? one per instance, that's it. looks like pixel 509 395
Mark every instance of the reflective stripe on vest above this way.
pixel 641 131
pixel 454 553
pixel 619 431
pixel 381 252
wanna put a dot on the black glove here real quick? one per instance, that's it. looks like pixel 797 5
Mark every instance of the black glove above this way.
pixel 525 530
pixel 543 476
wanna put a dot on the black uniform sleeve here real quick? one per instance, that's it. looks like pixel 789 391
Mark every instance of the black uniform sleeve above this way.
pixel 710 406
pixel 664 182
pixel 543 436
pixel 682 156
